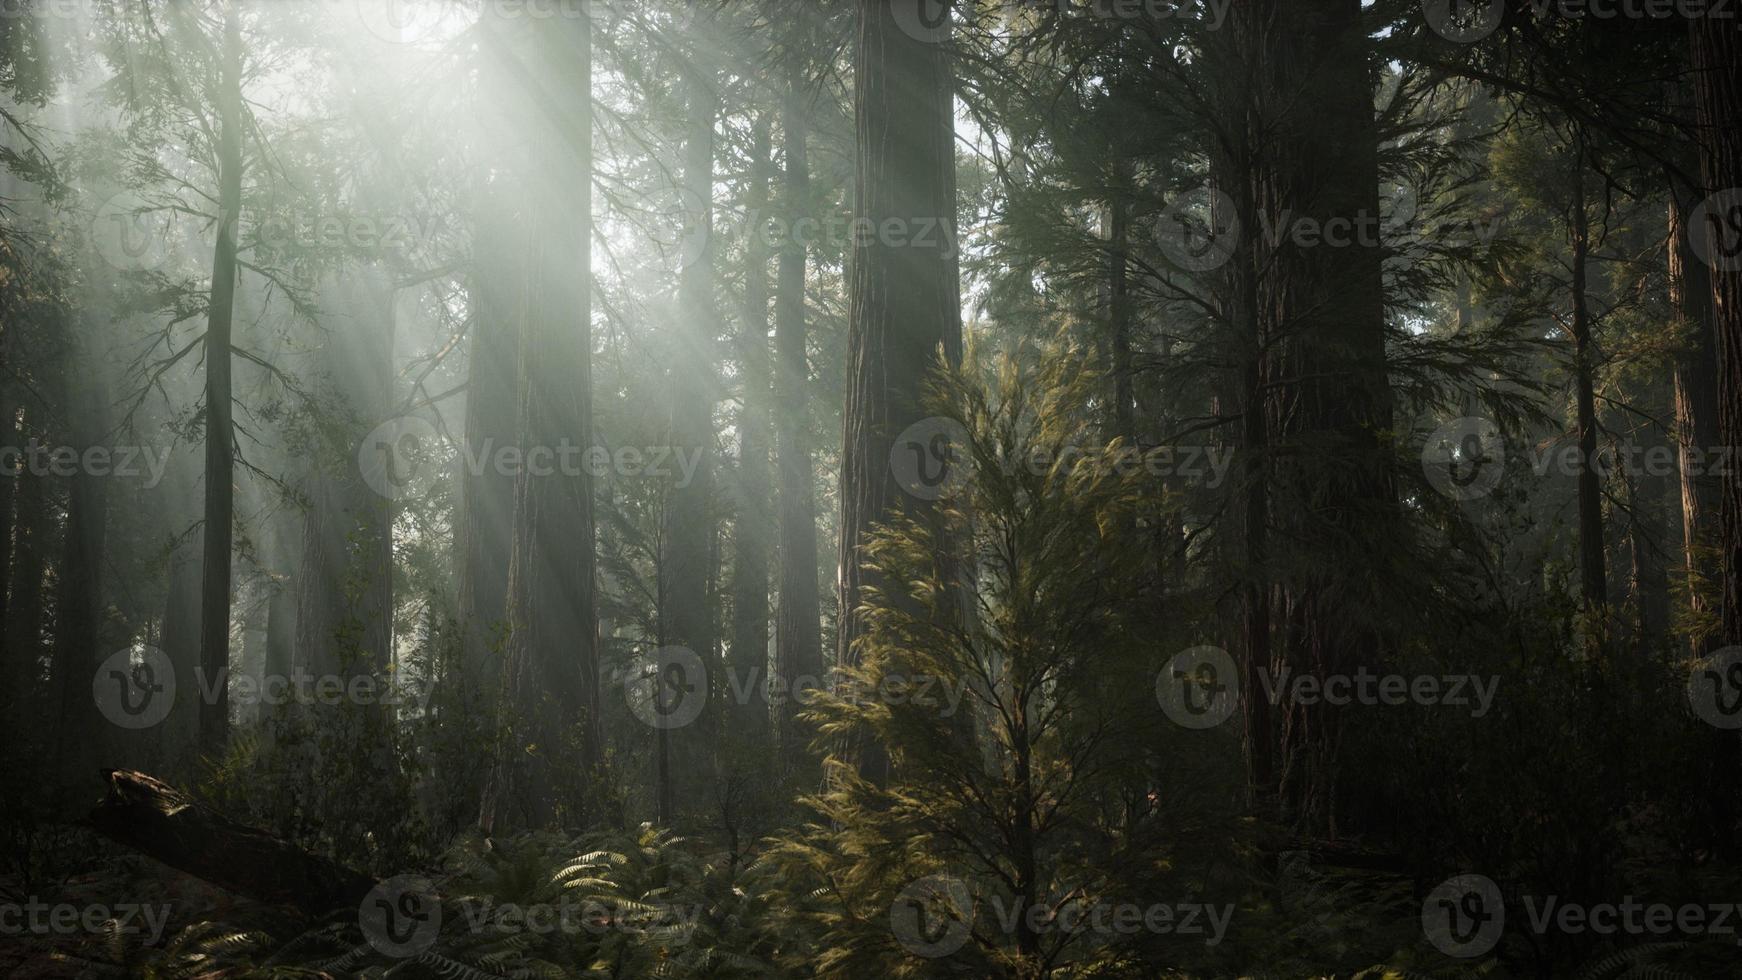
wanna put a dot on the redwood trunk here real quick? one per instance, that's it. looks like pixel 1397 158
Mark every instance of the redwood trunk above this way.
pixel 1695 383
pixel 905 298
pixel 687 535
pixel 1717 58
pixel 753 531
pixel 220 448
pixel 551 670
pixel 798 650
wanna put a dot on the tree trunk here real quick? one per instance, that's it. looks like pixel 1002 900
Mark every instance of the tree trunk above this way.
pixel 684 617
pixel 1243 394
pixel 80 731
pixel 1647 583
pixel 158 821
pixel 253 658
pixel 905 297
pixel 280 631
pixel 487 494
pixel 1255 592
pixel 1717 60
pixel 24 626
pixel 551 670
pixel 220 448
pixel 1315 150
pixel 1717 57
pixel 798 651
pixel 749 654
pixel 1695 382
pixel 282 597
pixel 15 672
pixel 345 595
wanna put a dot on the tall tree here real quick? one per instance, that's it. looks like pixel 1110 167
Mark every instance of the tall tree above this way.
pixel 551 670
pixel 1717 61
pixel 487 494
pixel 220 430
pixel 22 632
pixel 753 531
pixel 1695 387
pixel 798 650
pixel 1244 394
pixel 344 614
pixel 80 731
pixel 904 295
pixel 1321 319
pixel 686 540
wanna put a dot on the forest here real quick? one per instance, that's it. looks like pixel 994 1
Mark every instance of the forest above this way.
pixel 857 489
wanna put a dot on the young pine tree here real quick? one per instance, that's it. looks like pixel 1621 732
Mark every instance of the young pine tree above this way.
pixel 1014 599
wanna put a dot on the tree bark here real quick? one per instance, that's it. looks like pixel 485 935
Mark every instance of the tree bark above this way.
pixel 1695 385
pixel 753 531
pixel 905 297
pixel 81 731
pixel 162 823
pixel 487 501
pixel 16 673
pixel 280 631
pixel 798 651
pixel 220 434
pixel 24 628
pixel 551 670
pixel 1717 59
pixel 1321 319
pixel 345 596
pixel 685 540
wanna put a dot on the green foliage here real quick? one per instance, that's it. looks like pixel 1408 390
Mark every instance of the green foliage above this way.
pixel 1017 595
pixel 621 906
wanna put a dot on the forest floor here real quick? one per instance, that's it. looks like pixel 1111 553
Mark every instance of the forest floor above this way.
pixel 95 921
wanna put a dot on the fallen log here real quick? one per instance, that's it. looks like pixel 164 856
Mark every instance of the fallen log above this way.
pixel 163 823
